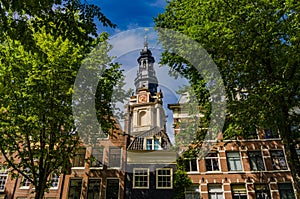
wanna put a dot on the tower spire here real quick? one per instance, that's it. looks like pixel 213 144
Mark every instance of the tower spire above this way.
pixel 146 77
pixel 145 43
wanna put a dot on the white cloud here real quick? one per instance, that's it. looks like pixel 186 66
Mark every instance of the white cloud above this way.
pixel 159 3
pixel 132 26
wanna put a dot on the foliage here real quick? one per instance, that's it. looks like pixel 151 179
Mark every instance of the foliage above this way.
pixel 75 20
pixel 255 45
pixel 181 179
pixel 42 45
pixel 35 105
pixel 98 86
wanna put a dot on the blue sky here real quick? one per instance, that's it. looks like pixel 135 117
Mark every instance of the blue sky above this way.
pixel 129 14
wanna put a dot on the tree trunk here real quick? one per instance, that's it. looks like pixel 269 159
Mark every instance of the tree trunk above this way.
pixel 40 191
pixel 41 185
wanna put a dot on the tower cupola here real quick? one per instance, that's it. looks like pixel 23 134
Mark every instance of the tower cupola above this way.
pixel 146 78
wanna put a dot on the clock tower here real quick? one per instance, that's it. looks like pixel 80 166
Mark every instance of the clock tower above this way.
pixel 145 110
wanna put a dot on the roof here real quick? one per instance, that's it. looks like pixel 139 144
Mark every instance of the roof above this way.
pixel 138 142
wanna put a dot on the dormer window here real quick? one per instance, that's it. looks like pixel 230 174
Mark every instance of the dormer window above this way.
pixel 153 144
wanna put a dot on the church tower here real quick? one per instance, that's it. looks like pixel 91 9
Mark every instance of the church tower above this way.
pixel 145 107
pixel 149 151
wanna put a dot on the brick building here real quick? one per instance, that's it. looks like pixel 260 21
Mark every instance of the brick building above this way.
pixel 250 168
pixel 97 172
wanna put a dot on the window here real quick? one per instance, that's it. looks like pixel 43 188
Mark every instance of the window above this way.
pixel 54 181
pixel 212 162
pixel 25 183
pixel 191 165
pixel 256 161
pixel 238 191
pixel 251 133
pixel 3 177
pixel 298 153
pixel 112 189
pixel 286 191
pixel 152 144
pixel 97 157
pixel 75 189
pixel 234 161
pixel 215 191
pixel 114 157
pixel 271 133
pixel 192 192
pixel 142 118
pixel 93 191
pixel 79 158
pixel 140 178
pixel 164 178
pixel 262 191
pixel 278 160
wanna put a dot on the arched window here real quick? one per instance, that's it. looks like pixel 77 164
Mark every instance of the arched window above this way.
pixel 142 121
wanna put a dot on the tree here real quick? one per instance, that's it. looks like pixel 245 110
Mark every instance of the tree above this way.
pixel 42 45
pixel 14 15
pixel 255 45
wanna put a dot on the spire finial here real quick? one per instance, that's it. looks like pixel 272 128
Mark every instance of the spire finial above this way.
pixel 145 42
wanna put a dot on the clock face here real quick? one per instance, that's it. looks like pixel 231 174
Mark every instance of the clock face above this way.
pixel 142 98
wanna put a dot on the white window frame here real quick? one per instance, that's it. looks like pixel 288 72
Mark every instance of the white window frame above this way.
pixel 134 180
pixel 25 183
pixel 278 158
pixel 194 193
pixel 171 178
pixel 258 186
pixel 216 190
pixel 152 143
pixel 56 177
pixel 3 177
pixel 235 158
pixel 211 159
pixel 190 165
pixel 239 191
pixel 262 158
